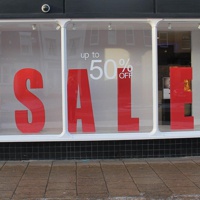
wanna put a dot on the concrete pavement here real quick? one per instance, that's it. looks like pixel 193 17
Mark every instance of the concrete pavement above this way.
pixel 168 178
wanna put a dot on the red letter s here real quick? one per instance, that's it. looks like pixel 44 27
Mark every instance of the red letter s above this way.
pixel 28 99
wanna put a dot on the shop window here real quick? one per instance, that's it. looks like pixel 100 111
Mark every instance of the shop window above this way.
pixel 112 37
pixel 147 38
pixel 109 82
pixel 29 105
pixel 177 76
pixel 163 39
pixel 94 37
pixel 50 46
pixel 25 43
pixel 130 38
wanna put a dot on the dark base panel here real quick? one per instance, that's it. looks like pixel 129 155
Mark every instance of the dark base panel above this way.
pixel 100 149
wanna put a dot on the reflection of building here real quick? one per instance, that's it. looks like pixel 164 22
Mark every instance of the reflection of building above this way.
pixel 21 47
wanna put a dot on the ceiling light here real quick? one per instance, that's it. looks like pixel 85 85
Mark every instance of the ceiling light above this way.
pixel 169 26
pixel 74 27
pixel 58 27
pixel 34 27
pixel 109 27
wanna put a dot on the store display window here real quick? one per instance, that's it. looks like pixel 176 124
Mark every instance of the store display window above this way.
pixel 99 79
pixel 178 76
pixel 109 82
pixel 30 79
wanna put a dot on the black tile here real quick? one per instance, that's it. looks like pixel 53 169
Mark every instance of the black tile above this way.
pixel 100 149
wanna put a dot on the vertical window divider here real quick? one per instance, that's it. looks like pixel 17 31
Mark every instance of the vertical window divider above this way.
pixel 63 24
pixel 154 23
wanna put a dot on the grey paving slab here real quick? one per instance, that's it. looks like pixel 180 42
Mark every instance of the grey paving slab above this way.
pixel 96 189
pixel 193 178
pixel 10 173
pixel 178 183
pixel 40 163
pixel 61 186
pixel 157 160
pixel 88 164
pixel 9 180
pixel 186 190
pixel 115 178
pixel 63 163
pixel 140 170
pixel 6 186
pixel 167 179
pixel 119 185
pixel 60 194
pixel 152 187
pixel 2 164
pixel 33 182
pixel 61 179
pixel 30 191
pixel 123 192
pixel 111 162
pixel 90 181
pixel 161 195
pixel 147 180
pixel 35 176
pixel 92 196
pixel 113 173
pixel 165 168
pixel 142 173
pixel 16 163
pixel 6 194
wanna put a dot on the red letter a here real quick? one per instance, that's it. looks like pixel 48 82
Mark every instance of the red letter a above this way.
pixel 29 100
pixel 180 95
pixel 125 122
pixel 78 79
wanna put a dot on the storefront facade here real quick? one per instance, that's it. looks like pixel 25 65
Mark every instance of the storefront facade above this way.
pixel 91 79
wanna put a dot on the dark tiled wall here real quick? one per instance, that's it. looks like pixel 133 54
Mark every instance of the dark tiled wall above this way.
pixel 100 149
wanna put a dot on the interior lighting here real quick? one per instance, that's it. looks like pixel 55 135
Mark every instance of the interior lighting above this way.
pixel 169 26
pixel 109 27
pixel 58 27
pixel 199 26
pixel 34 27
pixel 74 27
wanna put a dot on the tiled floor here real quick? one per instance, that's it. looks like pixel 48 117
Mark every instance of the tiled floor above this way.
pixel 169 178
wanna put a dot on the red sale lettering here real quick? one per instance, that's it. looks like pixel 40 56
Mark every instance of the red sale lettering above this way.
pixel 125 122
pixel 179 76
pixel 28 99
pixel 78 81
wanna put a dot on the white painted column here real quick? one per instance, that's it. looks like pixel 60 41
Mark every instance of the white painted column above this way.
pixel 62 24
pixel 154 23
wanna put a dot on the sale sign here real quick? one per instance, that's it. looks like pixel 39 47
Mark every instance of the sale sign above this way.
pixel 104 86
pixel 78 79
pixel 109 80
pixel 104 95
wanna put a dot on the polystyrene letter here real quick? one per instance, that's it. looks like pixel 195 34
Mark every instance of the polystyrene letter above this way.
pixel 28 99
pixel 78 80
pixel 125 121
pixel 179 96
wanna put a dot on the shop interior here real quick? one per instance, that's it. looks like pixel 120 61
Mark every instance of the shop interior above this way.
pixel 174 50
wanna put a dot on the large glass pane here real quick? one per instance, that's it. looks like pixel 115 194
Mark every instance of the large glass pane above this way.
pixel 30 79
pixel 178 78
pixel 109 77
